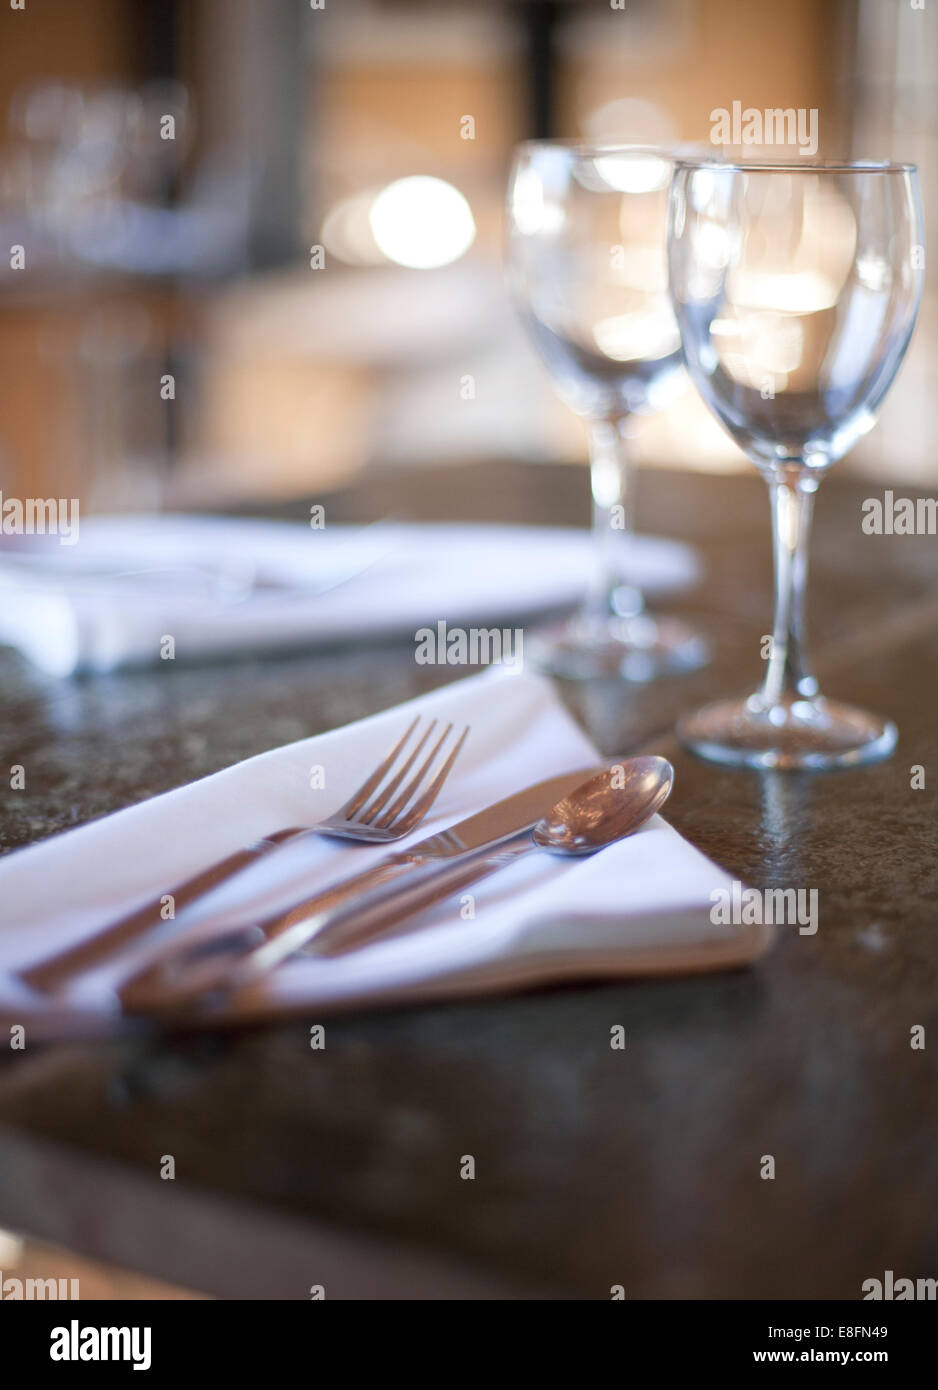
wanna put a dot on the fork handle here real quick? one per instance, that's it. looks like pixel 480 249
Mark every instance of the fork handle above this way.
pixel 53 972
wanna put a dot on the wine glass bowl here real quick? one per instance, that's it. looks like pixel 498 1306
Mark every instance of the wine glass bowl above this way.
pixel 796 288
pixel 587 268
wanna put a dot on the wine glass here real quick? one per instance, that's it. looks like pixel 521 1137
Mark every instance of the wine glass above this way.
pixel 587 268
pixel 796 288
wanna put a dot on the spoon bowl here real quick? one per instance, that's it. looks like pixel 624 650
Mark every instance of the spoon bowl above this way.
pixel 608 807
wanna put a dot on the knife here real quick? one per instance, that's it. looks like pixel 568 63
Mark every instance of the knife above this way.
pixel 203 961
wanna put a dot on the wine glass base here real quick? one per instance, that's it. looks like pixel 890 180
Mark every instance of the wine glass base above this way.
pixel 636 649
pixel 813 734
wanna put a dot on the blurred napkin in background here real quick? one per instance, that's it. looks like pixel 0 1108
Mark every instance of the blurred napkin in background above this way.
pixel 640 907
pixel 218 585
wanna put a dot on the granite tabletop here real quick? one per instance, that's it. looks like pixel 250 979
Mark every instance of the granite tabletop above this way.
pixel 637 1167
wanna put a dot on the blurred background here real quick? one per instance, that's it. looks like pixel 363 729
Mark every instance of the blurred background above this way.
pixel 263 238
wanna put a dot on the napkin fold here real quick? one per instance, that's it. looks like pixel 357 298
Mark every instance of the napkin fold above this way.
pixel 218 585
pixel 639 907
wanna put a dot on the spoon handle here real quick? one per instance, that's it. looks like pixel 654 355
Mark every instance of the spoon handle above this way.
pixel 368 920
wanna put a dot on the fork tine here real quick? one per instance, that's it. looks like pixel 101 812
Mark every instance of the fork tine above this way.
pixel 359 798
pixel 414 783
pixel 421 806
pixel 403 820
pixel 368 814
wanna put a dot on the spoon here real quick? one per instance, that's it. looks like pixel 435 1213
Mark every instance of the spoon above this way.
pixel 613 804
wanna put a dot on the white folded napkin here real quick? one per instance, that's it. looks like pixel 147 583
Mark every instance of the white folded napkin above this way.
pixel 217 585
pixel 639 907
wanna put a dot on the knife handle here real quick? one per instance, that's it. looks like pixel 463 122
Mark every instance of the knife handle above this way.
pixel 195 959
pixel 335 928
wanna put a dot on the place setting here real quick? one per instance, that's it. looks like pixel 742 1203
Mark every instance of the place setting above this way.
pixel 234 947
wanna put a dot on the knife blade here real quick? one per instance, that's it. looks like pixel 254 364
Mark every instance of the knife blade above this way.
pixel 203 960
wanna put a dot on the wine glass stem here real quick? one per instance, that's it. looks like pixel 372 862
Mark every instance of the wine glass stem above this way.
pixel 611 485
pixel 788 676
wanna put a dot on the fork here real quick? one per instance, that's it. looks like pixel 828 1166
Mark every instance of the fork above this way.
pixel 366 817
